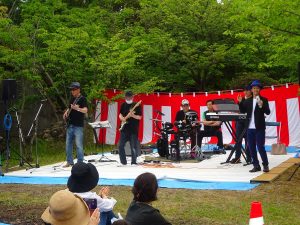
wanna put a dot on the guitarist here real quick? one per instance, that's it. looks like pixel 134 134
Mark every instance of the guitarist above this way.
pixel 129 131
pixel 74 117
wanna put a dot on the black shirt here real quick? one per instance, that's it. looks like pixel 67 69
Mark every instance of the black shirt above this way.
pixel 140 213
pixel 77 118
pixel 132 125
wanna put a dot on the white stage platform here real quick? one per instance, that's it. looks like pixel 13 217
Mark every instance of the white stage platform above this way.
pixel 209 170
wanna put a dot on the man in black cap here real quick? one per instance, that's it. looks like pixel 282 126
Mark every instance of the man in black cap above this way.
pixel 256 107
pixel 74 117
pixel 129 132
pixel 240 126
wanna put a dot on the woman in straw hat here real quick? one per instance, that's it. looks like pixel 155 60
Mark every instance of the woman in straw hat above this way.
pixel 65 208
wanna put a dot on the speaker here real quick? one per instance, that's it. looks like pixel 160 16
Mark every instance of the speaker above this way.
pixel 128 150
pixel 9 89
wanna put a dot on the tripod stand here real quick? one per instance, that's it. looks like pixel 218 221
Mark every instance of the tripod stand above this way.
pixel 196 149
pixel 1 173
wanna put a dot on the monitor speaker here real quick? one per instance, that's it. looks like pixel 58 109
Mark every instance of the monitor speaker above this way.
pixel 9 89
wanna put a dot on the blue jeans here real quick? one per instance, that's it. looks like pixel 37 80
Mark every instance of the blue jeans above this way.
pixel 105 217
pixel 256 138
pixel 74 132
pixel 133 139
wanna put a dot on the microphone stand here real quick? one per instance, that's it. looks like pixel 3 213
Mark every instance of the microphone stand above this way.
pixel 35 125
pixel 21 139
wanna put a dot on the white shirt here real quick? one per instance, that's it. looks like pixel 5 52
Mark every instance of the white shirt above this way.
pixel 252 123
pixel 104 204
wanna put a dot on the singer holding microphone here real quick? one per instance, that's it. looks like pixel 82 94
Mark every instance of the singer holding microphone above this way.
pixel 256 107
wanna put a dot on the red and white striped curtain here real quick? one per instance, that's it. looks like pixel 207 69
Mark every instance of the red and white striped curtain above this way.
pixel 283 101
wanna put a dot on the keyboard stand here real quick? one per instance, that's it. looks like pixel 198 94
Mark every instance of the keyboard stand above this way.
pixel 238 140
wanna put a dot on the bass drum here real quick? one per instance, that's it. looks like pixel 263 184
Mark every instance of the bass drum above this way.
pixel 162 147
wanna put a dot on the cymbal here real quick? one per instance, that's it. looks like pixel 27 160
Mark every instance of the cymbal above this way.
pixel 157 120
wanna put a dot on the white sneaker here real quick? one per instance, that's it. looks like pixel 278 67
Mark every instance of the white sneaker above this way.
pixel 116 219
pixel 121 165
pixel 134 165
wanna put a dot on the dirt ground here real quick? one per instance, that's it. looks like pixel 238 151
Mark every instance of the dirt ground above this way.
pixel 24 204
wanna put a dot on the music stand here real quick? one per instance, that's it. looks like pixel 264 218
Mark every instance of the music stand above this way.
pixel 100 125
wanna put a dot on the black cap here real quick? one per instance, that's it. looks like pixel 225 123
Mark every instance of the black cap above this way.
pixel 74 85
pixel 128 94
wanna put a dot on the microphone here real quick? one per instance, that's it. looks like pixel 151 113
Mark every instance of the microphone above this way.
pixel 258 100
pixel 159 112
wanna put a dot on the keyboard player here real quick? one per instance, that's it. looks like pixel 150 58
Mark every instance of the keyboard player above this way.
pixel 211 128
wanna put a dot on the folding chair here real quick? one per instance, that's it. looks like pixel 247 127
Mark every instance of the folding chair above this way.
pixel 274 124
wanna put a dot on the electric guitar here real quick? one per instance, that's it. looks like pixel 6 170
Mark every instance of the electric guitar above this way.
pixel 128 115
pixel 67 118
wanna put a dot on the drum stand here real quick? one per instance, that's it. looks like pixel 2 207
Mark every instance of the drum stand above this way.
pixel 197 150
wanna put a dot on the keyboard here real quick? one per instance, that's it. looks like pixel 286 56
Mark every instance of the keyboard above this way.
pixel 226 116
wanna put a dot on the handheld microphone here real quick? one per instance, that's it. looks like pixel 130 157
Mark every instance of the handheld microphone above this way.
pixel 258 100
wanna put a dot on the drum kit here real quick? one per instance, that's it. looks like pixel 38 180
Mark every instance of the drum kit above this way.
pixel 178 148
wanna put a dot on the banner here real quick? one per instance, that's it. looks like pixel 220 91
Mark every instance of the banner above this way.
pixel 283 101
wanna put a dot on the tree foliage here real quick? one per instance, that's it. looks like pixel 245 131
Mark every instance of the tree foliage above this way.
pixel 147 45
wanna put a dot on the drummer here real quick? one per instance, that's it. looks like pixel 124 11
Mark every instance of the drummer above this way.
pixel 184 121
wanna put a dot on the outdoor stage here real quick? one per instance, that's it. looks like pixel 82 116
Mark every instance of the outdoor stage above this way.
pixel 207 174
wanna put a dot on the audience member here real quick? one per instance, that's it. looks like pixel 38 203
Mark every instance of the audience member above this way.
pixel 84 177
pixel 65 208
pixel 120 222
pixel 140 211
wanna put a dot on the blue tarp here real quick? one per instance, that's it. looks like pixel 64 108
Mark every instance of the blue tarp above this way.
pixel 164 183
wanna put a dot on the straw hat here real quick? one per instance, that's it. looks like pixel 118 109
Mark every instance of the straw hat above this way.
pixel 65 208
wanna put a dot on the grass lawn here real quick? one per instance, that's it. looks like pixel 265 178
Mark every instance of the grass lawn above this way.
pixel 23 204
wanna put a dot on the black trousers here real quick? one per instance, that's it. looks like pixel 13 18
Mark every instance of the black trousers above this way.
pixel 210 133
pixel 240 126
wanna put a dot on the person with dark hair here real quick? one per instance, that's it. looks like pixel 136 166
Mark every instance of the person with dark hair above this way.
pixel 74 117
pixel 129 132
pixel 84 177
pixel 240 126
pixel 140 211
pixel 120 222
pixel 211 128
pixel 256 108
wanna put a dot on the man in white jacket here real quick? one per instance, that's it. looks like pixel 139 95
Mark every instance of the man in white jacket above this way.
pixel 84 178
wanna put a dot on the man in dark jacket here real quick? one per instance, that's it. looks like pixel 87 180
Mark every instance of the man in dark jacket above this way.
pixel 256 108
pixel 240 126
